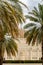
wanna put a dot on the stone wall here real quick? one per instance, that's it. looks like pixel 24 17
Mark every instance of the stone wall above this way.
pixel 26 52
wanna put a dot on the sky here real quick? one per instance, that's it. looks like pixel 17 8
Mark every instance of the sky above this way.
pixel 31 4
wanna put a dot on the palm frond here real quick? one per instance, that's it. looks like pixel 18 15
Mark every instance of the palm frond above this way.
pixel 14 1
pixel 30 36
pixel 24 5
pixel 32 18
pixel 11 47
pixel 29 25
pixel 10 16
pixel 34 34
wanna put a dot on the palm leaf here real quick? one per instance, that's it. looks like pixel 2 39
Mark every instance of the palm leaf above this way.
pixel 29 25
pixel 32 18
pixel 11 47
pixel 30 36
pixel 10 16
pixel 35 34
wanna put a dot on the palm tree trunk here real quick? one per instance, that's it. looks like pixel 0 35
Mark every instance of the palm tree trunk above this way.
pixel 42 52
pixel 1 60
pixel 42 45
pixel 1 57
pixel 1 41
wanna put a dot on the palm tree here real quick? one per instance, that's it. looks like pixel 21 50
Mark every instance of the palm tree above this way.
pixel 11 15
pixel 35 28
